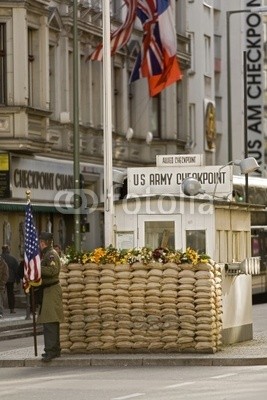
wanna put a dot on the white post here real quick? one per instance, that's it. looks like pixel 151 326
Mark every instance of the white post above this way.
pixel 107 126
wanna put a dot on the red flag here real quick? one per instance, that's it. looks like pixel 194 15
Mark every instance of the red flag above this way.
pixel 171 73
pixel 121 35
pixel 32 261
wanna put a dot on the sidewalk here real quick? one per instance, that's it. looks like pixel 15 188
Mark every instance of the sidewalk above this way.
pixel 253 352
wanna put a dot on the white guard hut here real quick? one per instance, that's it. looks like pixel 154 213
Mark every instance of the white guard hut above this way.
pixel 156 213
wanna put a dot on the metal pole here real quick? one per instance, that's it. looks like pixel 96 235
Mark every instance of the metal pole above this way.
pixel 76 138
pixel 229 94
pixel 245 121
pixel 34 321
pixel 107 126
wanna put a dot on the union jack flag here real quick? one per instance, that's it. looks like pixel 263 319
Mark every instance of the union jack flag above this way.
pixel 32 261
pixel 157 59
pixel 121 35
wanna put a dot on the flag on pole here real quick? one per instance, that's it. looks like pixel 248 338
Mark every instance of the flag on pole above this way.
pixel 157 60
pixel 121 35
pixel 32 261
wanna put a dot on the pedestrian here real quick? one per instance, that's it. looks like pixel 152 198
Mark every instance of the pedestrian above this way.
pixel 3 281
pixel 62 256
pixel 58 249
pixel 13 268
pixel 51 308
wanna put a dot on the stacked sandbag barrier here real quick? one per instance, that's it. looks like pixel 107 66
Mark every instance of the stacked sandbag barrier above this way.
pixel 170 317
pixel 72 333
pixel 153 306
pixel 137 307
pixel 76 286
pixel 208 306
pixel 186 307
pixel 91 300
pixel 107 306
pixel 138 310
pixel 65 326
pixel 124 324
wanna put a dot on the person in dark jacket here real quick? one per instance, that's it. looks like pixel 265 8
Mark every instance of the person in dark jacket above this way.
pixel 3 281
pixel 13 267
pixel 51 309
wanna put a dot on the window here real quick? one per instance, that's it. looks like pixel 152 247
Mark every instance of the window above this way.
pixel 117 96
pixel 156 116
pixel 52 78
pixel 116 9
pixel 207 56
pixel 85 94
pixel 131 106
pixel 192 124
pixel 33 68
pixel 159 234
pixel 196 239
pixel 192 51
pixel 70 88
pixel 2 64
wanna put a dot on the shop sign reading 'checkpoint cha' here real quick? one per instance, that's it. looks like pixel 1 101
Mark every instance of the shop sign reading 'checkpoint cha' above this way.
pixel 162 180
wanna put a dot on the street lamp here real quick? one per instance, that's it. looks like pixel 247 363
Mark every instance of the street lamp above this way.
pixel 228 59
pixel 192 187
pixel 248 165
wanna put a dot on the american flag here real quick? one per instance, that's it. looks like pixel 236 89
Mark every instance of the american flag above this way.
pixel 120 36
pixel 32 261
pixel 157 60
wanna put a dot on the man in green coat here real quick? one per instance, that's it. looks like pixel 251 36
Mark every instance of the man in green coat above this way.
pixel 51 309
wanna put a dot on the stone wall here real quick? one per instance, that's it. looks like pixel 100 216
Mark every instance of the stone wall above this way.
pixel 141 307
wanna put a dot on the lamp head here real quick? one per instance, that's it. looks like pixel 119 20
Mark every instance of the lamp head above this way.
pixel 191 187
pixel 248 165
pixel 149 137
pixel 129 134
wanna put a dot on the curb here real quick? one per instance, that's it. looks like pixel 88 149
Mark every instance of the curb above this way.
pixel 141 362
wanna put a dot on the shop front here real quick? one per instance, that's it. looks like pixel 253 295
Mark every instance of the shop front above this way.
pixel 50 183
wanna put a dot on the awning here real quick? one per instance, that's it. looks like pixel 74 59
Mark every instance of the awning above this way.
pixel 20 207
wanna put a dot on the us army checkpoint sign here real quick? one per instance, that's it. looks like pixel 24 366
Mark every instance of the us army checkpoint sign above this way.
pixel 162 180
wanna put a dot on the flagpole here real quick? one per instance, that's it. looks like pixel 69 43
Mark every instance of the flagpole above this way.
pixel 34 322
pixel 107 127
pixel 32 300
pixel 76 136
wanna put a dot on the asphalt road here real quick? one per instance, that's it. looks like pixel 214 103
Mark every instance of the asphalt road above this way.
pixel 154 383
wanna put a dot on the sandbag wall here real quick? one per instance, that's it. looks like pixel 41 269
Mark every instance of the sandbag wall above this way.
pixel 141 307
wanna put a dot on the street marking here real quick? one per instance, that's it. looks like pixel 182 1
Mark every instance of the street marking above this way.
pixel 179 385
pixel 222 376
pixel 41 378
pixel 129 396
